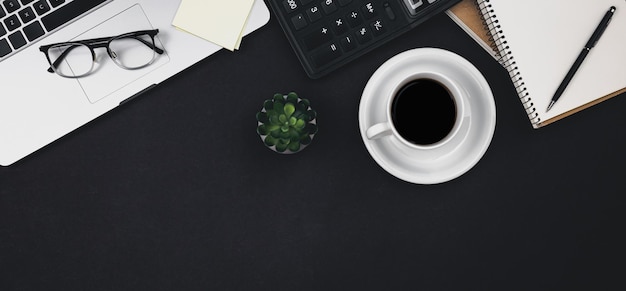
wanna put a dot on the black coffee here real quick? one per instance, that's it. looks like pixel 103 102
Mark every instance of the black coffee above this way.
pixel 423 112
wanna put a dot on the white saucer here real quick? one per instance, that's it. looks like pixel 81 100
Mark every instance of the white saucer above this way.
pixel 438 165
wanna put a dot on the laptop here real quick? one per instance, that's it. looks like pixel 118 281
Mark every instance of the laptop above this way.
pixel 38 106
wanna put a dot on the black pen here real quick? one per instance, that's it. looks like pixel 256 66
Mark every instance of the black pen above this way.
pixel 590 44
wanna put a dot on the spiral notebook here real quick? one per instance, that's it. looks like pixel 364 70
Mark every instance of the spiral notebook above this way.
pixel 537 41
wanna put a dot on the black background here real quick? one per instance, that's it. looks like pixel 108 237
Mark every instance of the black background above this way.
pixel 175 191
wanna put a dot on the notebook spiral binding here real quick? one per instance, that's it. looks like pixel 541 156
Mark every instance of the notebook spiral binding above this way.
pixel 500 46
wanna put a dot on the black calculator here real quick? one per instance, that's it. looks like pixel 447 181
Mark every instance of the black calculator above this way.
pixel 327 34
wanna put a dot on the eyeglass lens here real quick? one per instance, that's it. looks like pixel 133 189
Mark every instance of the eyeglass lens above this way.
pixel 76 59
pixel 132 52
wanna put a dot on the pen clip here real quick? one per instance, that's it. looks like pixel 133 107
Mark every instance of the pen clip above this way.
pixel 601 28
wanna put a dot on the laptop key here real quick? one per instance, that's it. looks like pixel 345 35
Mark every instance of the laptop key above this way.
pixel 12 22
pixel 41 7
pixel 68 12
pixel 11 5
pixel 56 3
pixel 5 49
pixel 26 14
pixel 33 31
pixel 26 21
pixel 17 39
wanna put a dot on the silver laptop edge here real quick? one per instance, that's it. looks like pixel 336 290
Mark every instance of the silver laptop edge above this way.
pixel 37 107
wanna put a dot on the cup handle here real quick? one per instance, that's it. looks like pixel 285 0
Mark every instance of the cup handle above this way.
pixel 379 130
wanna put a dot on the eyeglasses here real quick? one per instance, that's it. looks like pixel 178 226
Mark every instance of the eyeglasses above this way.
pixel 75 59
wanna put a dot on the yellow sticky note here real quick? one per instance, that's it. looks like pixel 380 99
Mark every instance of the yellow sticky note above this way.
pixel 218 21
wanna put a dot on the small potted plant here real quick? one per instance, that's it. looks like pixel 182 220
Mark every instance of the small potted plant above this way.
pixel 286 123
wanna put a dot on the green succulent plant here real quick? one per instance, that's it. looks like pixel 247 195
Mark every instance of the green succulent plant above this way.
pixel 286 122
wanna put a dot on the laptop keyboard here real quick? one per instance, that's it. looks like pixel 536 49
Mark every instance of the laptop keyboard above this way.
pixel 327 34
pixel 23 22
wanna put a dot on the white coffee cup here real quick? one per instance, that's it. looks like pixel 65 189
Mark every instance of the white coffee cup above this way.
pixel 387 128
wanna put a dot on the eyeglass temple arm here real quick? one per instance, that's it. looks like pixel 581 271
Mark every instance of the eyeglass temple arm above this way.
pixel 150 45
pixel 152 34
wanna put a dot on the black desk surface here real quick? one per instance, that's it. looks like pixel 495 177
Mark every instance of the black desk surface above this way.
pixel 174 191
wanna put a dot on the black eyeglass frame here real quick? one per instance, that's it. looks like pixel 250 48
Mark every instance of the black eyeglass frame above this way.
pixel 102 42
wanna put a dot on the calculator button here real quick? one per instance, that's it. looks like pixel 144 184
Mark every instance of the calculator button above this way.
pixel 329 6
pixel 390 14
pixel 318 38
pixel 354 18
pixel 348 43
pixel 290 5
pixel 344 2
pixel 299 22
pixel 327 34
pixel 363 35
pixel 369 11
pixel 326 55
pixel 314 13
pixel 340 26
pixel 378 28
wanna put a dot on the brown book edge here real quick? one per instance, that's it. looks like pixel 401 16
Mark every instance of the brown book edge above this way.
pixel 580 108
pixel 468 17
